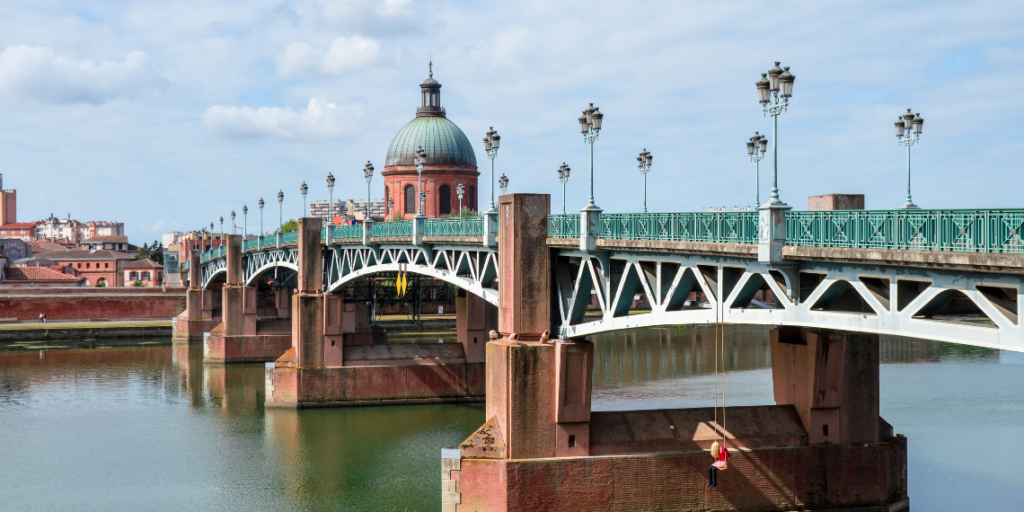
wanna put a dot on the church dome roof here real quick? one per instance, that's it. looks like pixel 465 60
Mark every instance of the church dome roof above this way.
pixel 443 142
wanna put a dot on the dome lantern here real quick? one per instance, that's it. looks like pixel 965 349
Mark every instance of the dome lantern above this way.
pixel 430 97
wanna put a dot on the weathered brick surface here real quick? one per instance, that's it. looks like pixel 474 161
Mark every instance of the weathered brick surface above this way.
pixel 360 384
pixel 247 349
pixel 86 305
pixel 760 479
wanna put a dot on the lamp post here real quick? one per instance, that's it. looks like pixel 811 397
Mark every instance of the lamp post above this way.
pixel 563 176
pixel 420 159
pixel 905 138
pixel 261 217
pixel 280 211
pixel 221 229
pixel 245 222
pixel 491 142
pixel 643 162
pixel 304 189
pixel 460 190
pixel 590 125
pixel 234 227
pixel 368 174
pixel 503 183
pixel 330 202
pixel 756 148
pixel 774 90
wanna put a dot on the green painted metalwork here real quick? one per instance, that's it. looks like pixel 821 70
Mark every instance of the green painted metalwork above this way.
pixel 716 227
pixel 564 225
pixel 454 227
pixel 391 229
pixel 443 142
pixel 291 237
pixel 269 240
pixel 348 232
pixel 248 245
pixel 991 231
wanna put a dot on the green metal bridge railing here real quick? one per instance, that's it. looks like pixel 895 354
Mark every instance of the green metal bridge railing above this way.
pixel 454 226
pixel 391 229
pixel 717 227
pixel 564 225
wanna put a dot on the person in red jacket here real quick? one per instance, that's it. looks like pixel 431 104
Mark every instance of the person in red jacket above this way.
pixel 721 462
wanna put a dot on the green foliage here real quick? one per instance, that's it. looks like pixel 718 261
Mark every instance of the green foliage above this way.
pixel 101 284
pixel 291 225
pixel 466 212
pixel 153 252
pixel 137 284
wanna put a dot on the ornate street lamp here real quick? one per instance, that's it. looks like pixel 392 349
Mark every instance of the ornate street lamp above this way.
pixel 261 217
pixel 280 210
pixel 773 92
pixel 391 209
pixel 245 222
pixel 756 148
pixel 304 189
pixel 503 183
pixel 643 162
pixel 590 125
pixel 330 202
pixel 491 142
pixel 221 229
pixel 368 174
pixel 234 227
pixel 909 122
pixel 460 190
pixel 420 159
pixel 563 176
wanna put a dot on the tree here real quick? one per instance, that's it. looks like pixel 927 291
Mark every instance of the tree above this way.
pixel 466 212
pixel 153 253
pixel 291 225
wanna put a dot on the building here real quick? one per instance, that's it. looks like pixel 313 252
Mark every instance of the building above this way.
pixel 450 161
pixel 143 272
pixel 75 232
pixel 15 249
pixel 8 204
pixel 41 277
pixel 25 231
pixel 357 209
pixel 108 243
pixel 170 238
pixel 99 268
pixel 325 211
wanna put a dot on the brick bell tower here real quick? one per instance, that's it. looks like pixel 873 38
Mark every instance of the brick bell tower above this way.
pixel 450 162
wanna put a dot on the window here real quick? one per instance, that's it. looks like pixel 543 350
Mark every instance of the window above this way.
pixel 87 265
pixel 472 198
pixel 145 276
pixel 133 276
pixel 79 265
pixel 445 200
pixel 106 265
pixel 410 199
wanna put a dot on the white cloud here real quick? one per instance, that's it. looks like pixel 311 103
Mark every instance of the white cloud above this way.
pixel 374 16
pixel 345 54
pixel 38 74
pixel 319 121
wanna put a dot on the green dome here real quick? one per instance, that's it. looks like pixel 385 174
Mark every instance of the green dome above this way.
pixel 441 139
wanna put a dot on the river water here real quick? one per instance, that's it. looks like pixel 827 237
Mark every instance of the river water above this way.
pixel 154 429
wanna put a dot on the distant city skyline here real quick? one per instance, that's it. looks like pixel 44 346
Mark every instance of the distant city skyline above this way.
pixel 171 115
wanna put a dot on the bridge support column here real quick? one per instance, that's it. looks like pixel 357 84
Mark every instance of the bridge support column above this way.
pixel 474 319
pixel 237 339
pixel 831 378
pixel 197 318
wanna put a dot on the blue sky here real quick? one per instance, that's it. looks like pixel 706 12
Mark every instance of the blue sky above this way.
pixel 168 114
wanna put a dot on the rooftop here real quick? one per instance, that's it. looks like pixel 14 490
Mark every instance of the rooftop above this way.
pixel 143 263
pixel 19 225
pixel 118 239
pixel 38 274
pixel 84 254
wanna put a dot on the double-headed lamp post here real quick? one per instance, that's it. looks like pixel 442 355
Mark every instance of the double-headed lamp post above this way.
pixel 503 183
pixel 756 148
pixel 330 200
pixel 643 162
pixel 491 142
pixel 420 159
pixel 904 125
pixel 563 176
pixel 773 91
pixel 303 189
pixel 245 222
pixel 460 191
pixel 234 227
pixel 590 126
pixel 280 211
pixel 368 174
pixel 261 218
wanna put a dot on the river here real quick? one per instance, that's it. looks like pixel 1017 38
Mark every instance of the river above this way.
pixel 152 428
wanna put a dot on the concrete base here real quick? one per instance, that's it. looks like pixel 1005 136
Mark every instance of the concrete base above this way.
pixel 185 329
pixel 257 348
pixel 409 374
pixel 852 478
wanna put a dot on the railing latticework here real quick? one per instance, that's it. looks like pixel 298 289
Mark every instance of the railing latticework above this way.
pixel 348 232
pixel 716 227
pixel 391 229
pixel 454 226
pixel 564 225
pixel 268 240
pixel 994 231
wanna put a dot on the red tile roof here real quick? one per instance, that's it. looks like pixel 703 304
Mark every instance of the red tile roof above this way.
pixel 20 225
pixel 38 274
pixel 120 239
pixel 143 263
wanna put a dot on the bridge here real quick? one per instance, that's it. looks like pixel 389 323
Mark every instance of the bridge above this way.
pixel 948 275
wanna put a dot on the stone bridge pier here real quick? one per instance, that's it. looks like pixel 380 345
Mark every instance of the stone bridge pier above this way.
pixel 333 362
pixel 202 307
pixel 244 336
pixel 822 446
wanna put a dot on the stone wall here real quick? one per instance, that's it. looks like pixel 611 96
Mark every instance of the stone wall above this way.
pixel 84 304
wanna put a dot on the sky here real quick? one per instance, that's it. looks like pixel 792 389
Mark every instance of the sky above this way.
pixel 168 114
